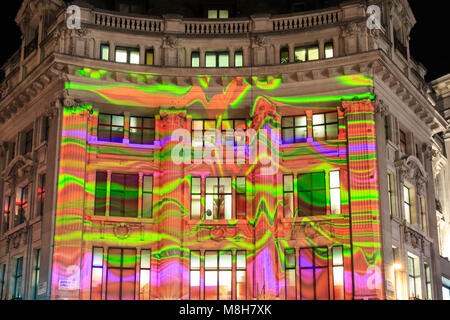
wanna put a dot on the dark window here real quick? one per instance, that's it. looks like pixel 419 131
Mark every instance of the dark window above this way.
pixel 313 263
pixel 312 194
pixel 97 273
pixel 2 279
pixel 196 197
pixel 149 57
pixel 284 55
pixel 110 128
pixel 144 279
pixel 195 59
pixel 391 193
pixel 131 6
pixel 402 141
pixel 101 183
pixel 6 213
pixel 45 129
pixel 325 126
pixel 11 151
pixel 294 129
pixel 241 202
pixel 142 130
pixel 121 275
pixel 36 272
pixel 124 195
pixel 291 269
pixel 28 143
pixel 147 197
pixel 21 205
pixel 41 194
pixel 127 55
pixel 17 294
pixel 217 59
pixel 104 52
pixel 238 59
pixel 194 274
pixel 241 275
pixel 288 196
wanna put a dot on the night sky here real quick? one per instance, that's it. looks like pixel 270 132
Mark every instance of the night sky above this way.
pixel 432 19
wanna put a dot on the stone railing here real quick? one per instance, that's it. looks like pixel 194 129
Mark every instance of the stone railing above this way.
pixel 133 23
pixel 216 27
pixel 306 20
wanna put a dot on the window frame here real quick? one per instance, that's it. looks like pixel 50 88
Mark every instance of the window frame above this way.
pixel 407 204
pixel 219 194
pixel 414 278
pixel 200 215
pixel 129 51
pixel 142 294
pixel 284 55
pixel 142 129
pixel 218 269
pixel 327 46
pixel 236 55
pixel 311 190
pixel 124 191
pixel 292 193
pixel 121 268
pixel 22 207
pixel 326 126
pixel 99 267
pixel 314 267
pixel 195 55
pixel 36 272
pixel 144 192
pixel 110 125
pixel 195 269
pixel 41 192
pixel 152 52
pixel 18 277
pixel 2 278
pixel 217 55
pixel 428 282
pixel 238 270
pixel 105 46
pixel 97 190
pixel 239 195
pixel 294 128
pixel 6 216
pixel 307 52
pixel 391 194
pixel 290 268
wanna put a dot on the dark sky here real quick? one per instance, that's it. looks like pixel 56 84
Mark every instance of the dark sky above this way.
pixel 431 19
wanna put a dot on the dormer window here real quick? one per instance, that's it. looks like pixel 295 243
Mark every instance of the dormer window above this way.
pixel 218 14
pixel 130 6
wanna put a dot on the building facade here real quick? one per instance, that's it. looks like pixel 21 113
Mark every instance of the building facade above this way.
pixel 286 150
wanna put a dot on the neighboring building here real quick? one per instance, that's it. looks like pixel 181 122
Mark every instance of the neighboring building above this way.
pixel 323 186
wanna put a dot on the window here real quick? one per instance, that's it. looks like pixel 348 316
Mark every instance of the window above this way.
pixel 97 273
pixel 312 194
pixel 329 50
pixel 388 128
pixel 218 270
pixel 2 279
pixel 36 271
pixel 291 267
pixel 194 287
pixel 204 133
pixel 144 282
pixel 110 128
pixel 233 132
pixel 217 59
pixel 196 198
pixel 104 52
pixel 45 129
pixel 41 194
pixel 6 213
pixel 217 14
pixel 429 294
pixel 338 272
pixel 241 275
pixel 28 142
pixel 288 196
pixel 101 183
pixel 127 55
pixel 238 59
pixel 17 293
pixel 195 59
pixel 302 54
pixel 121 275
pixel 218 198
pixel 21 206
pixel 335 192
pixel 241 201
pixel 11 151
pixel 124 195
pixel 391 193
pixel 142 130
pixel 313 264
pixel 149 57
pixel 325 126
pixel 402 141
pixel 147 197
pixel 415 282
pixel 294 129
pixel 397 278
pixel 445 289
pixel 131 6
pixel 407 203
pixel 284 55
pixel 423 213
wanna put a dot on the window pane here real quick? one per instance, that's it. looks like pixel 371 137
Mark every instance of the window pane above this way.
pixel 300 54
pixel 337 256
pixel 128 284
pixel 145 259
pixel 335 201
pixel 210 60
pixel 196 206
pixel 331 117
pixel 300 121
pixel 134 57
pixel 195 60
pixel 144 285
pixel 335 179
pixel 121 55
pixel 149 58
pixel 147 205
pixel 313 53
pixel 288 205
pixel 212 14
pixel 211 260
pixel 118 121
pixel 240 185
pixel 224 285
pixel 225 260
pixel 96 284
pixel 241 260
pixel 210 285
pixel 300 134
pixel 97 259
pixel 195 260
pixel 224 60
pixel 329 52
pixel 223 14
pixel 287 122
pixel 148 183
pixel 225 184
pixel 318 180
pixel 318 119
pixel 332 131
pixel 288 135
pixel 319 132
pixel 238 59
pixel 288 183
pixel 105 52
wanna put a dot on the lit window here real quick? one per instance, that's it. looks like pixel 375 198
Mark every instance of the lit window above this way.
pixel 335 192
pixel 415 282
pixel 302 54
pixel 100 193
pixel 313 265
pixel 445 289
pixel 213 14
pixel 325 126
pixel 149 57
pixel 196 197
pixel 217 59
pixel 41 195
pixel 284 55
pixel 22 206
pixel 121 274
pixel 195 59
pixel 97 273
pixel 144 279
pixel 428 282
pixel 6 213
pixel 241 275
pixel 142 130
pixel 238 59
pixel 127 55
pixel 195 275
pixel 218 14
pixel 288 196
pixel 104 52
pixel 291 266
pixel 329 51
pixel 313 53
pixel 218 204
pixel 124 195
pixel 294 129
pixel 338 272
pixel 407 203
pixel 312 194
pixel 218 270
pixel 110 128
pixel 204 133
pixel 241 202
pixel 147 196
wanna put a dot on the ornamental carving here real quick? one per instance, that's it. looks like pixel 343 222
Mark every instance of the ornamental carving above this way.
pixel 173 119
pixel 122 231
pixel 411 169
pixel 381 108
pixel 414 238
pixel 171 42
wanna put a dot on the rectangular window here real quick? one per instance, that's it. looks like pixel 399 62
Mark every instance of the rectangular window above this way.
pixel 428 288
pixel 241 275
pixel 284 55
pixel 124 195
pixel 45 129
pixel 142 130
pixel 195 59
pixel 22 206
pixel 147 197
pixel 17 293
pixel 2 279
pixel 423 213
pixel 291 269
pixel 121 275
pixel 218 198
pixel 391 194
pixel 217 59
pixel 302 54
pixel 97 273
pixel 218 270
pixel 28 142
pixel 415 282
pixel 104 52
pixel 127 55
pixel 233 132
pixel 325 126
pixel 241 198
pixel 402 141
pixel 194 275
pixel 41 194
pixel 6 213
pixel 294 129
pixel 101 185
pixel 218 14
pixel 204 133
pixel 110 128
pixel 288 196
pixel 144 284
pixel 338 273
pixel 238 59
pixel 335 192
pixel 407 203
pixel 313 263
pixel 149 57
pixel 312 194
pixel 36 272
pixel 196 198
pixel 329 50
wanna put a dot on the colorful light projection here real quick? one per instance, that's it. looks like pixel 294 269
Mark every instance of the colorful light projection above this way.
pixel 265 234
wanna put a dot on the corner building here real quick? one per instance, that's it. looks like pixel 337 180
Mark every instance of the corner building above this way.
pixel 216 150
